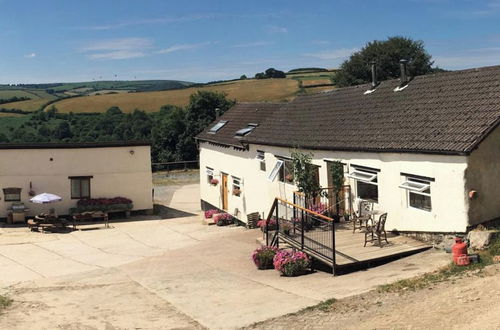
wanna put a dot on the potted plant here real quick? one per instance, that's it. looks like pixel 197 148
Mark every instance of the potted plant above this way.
pixel 263 257
pixel 210 213
pixel 286 226
pixel 337 176
pixel 291 263
pixel 223 219
pixel 214 182
pixel 267 225
pixel 236 191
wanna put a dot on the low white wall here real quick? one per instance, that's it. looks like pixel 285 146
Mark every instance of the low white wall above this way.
pixel 449 202
pixel 116 172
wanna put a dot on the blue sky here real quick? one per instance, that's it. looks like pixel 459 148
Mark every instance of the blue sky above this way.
pixel 53 41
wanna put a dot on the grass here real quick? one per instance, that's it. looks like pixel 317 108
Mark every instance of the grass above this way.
pixel 29 105
pixel 323 306
pixel 446 273
pixel 250 90
pixel 9 93
pixel 4 302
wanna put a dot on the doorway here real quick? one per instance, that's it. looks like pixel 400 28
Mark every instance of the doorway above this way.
pixel 224 191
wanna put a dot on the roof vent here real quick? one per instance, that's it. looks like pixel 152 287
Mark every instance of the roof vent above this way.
pixel 374 74
pixel 404 72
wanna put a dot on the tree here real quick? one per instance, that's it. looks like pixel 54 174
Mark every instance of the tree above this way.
pixel 387 54
pixel 243 77
pixel 304 175
pixel 337 176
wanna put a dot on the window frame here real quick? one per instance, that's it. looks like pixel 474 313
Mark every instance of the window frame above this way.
pixel 365 176
pixel 236 184
pixel 80 178
pixel 284 171
pixel 15 191
pixel 274 173
pixel 210 174
pixel 425 186
pixel 261 157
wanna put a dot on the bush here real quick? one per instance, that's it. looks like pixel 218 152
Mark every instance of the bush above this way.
pixel 291 263
pixel 223 219
pixel 263 257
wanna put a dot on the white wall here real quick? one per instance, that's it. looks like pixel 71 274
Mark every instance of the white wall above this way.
pixel 449 202
pixel 115 170
pixel 483 175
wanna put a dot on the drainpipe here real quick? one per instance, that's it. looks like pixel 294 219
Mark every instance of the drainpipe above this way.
pixel 374 74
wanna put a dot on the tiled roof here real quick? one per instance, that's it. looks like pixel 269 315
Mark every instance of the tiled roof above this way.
pixel 238 117
pixel 447 113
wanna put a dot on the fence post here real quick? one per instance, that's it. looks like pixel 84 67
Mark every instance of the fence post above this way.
pixel 333 249
pixel 302 230
pixel 277 227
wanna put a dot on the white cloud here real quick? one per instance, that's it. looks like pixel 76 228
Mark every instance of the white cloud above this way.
pixel 320 42
pixel 275 29
pixel 253 44
pixel 149 21
pixel 334 54
pixel 180 47
pixel 30 55
pixel 117 49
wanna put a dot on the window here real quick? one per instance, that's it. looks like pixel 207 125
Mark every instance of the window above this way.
pixel 210 174
pixel 80 187
pixel 274 173
pixel 12 194
pixel 245 131
pixel 419 192
pixel 261 156
pixel 217 126
pixel 366 183
pixel 286 172
pixel 236 186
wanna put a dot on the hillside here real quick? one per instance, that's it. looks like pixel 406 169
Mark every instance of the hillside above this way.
pixel 249 90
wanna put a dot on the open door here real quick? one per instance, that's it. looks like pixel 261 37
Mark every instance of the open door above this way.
pixel 224 191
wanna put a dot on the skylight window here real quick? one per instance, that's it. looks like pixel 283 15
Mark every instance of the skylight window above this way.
pixel 217 126
pixel 244 131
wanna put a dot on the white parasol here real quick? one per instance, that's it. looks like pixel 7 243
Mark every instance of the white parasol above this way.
pixel 45 198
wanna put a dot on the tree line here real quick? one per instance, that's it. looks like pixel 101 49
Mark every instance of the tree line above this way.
pixel 171 130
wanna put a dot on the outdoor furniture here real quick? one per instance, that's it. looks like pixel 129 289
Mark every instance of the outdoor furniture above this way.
pixel 44 221
pixel 376 230
pixel 87 218
pixel 362 216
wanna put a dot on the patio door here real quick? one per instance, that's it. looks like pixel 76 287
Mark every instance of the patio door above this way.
pixel 224 191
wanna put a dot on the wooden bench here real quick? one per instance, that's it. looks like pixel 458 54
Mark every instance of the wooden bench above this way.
pixel 43 225
pixel 88 218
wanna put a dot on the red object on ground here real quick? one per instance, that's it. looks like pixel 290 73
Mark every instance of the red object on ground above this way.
pixel 463 260
pixel 459 249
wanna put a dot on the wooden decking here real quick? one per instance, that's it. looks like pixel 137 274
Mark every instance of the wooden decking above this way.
pixel 350 250
pixel 349 246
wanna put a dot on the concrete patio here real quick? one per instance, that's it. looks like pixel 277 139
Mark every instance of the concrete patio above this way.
pixel 164 273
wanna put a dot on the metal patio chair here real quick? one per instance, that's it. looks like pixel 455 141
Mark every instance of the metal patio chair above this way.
pixel 361 217
pixel 377 229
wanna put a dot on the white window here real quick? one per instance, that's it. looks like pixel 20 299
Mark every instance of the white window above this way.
pixel 274 173
pixel 217 126
pixel 366 183
pixel 261 157
pixel 12 194
pixel 286 172
pixel 210 174
pixel 418 192
pixel 236 186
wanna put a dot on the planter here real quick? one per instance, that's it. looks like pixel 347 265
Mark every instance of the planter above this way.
pixel 263 257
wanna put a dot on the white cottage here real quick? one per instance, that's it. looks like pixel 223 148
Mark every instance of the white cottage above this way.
pixel 426 150
pixel 74 171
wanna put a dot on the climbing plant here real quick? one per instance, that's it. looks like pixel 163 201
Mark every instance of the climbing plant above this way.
pixel 305 175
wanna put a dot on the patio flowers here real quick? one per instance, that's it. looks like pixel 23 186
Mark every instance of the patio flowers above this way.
pixel 209 213
pixel 103 204
pixel 291 263
pixel 223 219
pixel 263 257
pixel 271 224
pixel 214 182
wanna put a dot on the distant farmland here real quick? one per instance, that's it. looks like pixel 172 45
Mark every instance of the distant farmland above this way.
pixel 250 90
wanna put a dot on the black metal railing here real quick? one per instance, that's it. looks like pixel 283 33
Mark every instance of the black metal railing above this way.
pixel 302 229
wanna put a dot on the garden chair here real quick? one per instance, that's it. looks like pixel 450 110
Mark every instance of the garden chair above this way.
pixel 376 229
pixel 361 217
